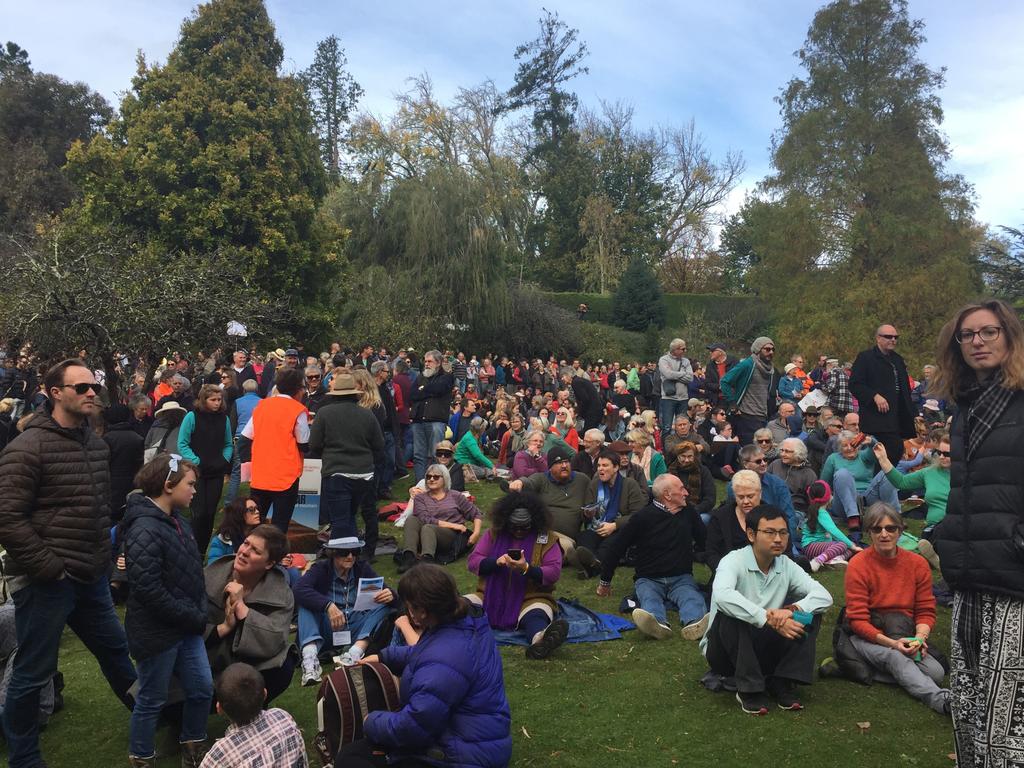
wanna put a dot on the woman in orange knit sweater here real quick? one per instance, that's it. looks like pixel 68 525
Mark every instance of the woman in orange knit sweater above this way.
pixel 891 610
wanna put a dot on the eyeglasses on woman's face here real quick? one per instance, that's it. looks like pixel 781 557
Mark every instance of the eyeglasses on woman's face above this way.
pixel 886 528
pixel 988 333
pixel 765 440
pixel 432 477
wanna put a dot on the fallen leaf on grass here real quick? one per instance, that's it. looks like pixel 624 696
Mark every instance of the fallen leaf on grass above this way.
pixel 613 749
pixel 864 726
pixel 526 733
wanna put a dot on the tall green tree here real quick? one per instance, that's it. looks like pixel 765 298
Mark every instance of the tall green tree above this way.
pixel 1002 264
pixel 639 302
pixel 215 150
pixel 333 94
pixel 41 116
pixel 861 151
pixel 564 170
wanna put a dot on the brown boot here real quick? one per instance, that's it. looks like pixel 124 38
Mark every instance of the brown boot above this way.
pixel 192 753
pixel 927 551
pixel 142 762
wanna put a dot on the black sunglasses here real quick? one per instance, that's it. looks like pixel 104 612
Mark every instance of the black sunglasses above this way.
pixel 313 378
pixel 432 477
pixel 81 389
pixel 943 454
pixel 889 336
pixel 346 552
pixel 444 453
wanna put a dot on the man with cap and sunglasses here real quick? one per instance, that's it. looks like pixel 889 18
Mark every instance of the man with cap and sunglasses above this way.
pixel 326 596
pixel 55 526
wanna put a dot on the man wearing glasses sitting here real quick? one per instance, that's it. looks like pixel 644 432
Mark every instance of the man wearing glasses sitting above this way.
pixel 880 383
pixel 755 636
pixel 55 526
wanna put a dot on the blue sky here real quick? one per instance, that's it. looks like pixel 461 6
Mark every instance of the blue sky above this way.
pixel 720 63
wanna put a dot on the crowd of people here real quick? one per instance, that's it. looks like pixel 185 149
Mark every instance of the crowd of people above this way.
pixel 602 466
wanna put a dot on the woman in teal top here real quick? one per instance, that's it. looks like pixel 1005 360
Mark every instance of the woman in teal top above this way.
pixel 468 452
pixel 934 480
pixel 853 473
pixel 823 543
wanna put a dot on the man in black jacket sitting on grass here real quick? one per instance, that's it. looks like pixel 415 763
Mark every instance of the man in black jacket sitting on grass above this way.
pixel 664 534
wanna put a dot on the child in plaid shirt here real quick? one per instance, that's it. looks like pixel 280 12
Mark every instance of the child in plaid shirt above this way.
pixel 256 738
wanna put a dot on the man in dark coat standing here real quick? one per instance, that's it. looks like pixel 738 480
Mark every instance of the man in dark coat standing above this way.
pixel 882 387
pixel 55 525
pixel 588 403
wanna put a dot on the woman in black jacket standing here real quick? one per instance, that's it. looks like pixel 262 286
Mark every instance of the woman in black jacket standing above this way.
pixel 166 612
pixel 981 540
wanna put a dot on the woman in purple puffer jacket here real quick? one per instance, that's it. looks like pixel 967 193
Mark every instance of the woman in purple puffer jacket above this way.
pixel 454 710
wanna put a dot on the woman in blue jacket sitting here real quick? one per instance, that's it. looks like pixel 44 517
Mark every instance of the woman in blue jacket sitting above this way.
pixel 454 710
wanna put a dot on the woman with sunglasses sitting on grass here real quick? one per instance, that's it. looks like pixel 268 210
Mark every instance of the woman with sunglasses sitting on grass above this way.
pixel 240 517
pixel 891 611
pixel 438 528
pixel 326 596
pixel 519 561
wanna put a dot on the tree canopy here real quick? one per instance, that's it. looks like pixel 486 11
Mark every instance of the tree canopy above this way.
pixel 215 151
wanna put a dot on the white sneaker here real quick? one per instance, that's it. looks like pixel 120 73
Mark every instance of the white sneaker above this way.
pixel 650 626
pixel 311 671
pixel 815 565
pixel 695 629
pixel 838 562
pixel 347 659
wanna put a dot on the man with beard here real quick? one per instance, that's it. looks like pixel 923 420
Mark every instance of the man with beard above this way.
pixel 751 388
pixel 431 399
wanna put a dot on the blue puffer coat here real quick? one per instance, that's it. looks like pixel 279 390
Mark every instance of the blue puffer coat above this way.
pixel 454 710
pixel 167 600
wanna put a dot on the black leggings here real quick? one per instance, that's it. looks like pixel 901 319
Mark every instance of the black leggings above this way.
pixel 204 509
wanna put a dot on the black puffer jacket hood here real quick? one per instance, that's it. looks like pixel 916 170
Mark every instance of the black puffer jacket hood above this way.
pixel 167 598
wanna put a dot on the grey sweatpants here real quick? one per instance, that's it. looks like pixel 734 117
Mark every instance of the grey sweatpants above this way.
pixel 921 679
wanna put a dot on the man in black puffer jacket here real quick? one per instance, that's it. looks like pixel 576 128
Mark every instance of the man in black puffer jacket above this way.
pixel 55 525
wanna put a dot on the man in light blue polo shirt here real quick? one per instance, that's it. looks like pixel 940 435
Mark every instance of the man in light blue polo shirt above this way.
pixel 754 635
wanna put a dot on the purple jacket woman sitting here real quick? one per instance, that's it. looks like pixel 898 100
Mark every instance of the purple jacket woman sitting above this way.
pixel 454 709
pixel 518 561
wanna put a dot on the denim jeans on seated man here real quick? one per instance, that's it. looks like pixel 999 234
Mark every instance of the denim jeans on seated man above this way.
pixel 425 437
pixel 188 662
pixel 845 493
pixel 42 609
pixel 680 591
pixel 361 624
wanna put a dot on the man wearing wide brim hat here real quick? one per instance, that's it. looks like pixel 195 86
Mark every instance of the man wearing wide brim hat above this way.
pixel 349 441
pixel 326 597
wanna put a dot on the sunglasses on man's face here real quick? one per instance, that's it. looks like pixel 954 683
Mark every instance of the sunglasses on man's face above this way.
pixel 81 389
pixel 943 454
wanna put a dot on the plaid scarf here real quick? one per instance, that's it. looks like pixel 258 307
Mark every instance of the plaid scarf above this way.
pixel 984 402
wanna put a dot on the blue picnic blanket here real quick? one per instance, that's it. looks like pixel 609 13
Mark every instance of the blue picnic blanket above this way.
pixel 585 626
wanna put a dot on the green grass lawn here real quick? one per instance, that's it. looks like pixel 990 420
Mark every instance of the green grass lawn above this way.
pixel 633 702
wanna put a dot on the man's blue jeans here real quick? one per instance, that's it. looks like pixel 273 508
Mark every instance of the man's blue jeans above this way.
pixel 667 412
pixel 188 662
pixel 315 628
pixel 425 437
pixel 845 493
pixel 234 481
pixel 341 497
pixel 681 591
pixel 41 612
